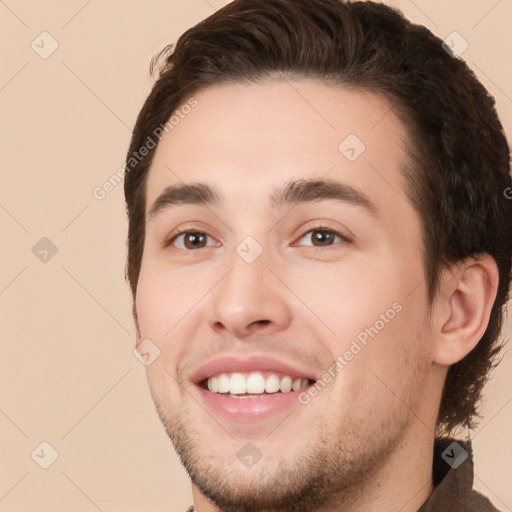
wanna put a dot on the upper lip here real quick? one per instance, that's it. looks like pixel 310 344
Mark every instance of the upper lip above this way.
pixel 229 364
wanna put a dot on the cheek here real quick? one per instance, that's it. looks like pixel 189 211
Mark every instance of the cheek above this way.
pixel 152 308
pixel 383 375
pixel 352 295
pixel 156 317
pixel 162 299
pixel 169 313
pixel 377 311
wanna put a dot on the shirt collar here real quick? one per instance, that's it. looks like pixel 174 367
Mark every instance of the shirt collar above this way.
pixel 452 475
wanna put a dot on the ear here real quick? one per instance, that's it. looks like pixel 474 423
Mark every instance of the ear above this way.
pixel 467 293
pixel 136 322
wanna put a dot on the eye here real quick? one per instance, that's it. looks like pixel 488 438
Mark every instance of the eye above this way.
pixel 318 237
pixel 190 240
pixel 322 237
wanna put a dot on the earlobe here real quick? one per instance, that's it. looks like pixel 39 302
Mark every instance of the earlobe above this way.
pixel 468 295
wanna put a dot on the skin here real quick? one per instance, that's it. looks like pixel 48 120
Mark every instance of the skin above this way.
pixel 365 441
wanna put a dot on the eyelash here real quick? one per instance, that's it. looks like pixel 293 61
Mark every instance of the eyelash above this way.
pixel 325 229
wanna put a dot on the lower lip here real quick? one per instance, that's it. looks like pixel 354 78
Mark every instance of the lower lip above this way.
pixel 250 409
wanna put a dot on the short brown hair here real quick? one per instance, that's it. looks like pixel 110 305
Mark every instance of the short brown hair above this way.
pixel 459 156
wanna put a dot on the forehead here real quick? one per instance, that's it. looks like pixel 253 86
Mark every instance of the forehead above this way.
pixel 249 139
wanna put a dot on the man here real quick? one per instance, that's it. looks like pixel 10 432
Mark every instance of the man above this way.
pixel 319 250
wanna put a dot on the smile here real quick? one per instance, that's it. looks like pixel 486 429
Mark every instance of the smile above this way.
pixel 244 390
pixel 247 385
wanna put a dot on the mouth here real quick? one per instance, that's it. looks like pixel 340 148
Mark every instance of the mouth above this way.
pixel 253 389
pixel 254 384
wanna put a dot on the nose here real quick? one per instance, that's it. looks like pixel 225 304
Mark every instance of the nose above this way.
pixel 250 299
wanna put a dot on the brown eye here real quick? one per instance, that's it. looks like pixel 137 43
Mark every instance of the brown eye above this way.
pixel 190 240
pixel 323 237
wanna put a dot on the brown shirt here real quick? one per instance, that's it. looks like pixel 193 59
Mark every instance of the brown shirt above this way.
pixel 452 474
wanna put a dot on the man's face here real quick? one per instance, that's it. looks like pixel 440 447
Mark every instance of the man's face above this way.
pixel 270 293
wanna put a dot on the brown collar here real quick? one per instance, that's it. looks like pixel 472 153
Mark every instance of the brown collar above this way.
pixel 452 474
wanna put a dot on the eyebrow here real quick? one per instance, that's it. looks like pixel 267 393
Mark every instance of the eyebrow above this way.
pixel 293 193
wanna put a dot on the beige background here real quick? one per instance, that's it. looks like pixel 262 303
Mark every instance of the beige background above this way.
pixel 67 372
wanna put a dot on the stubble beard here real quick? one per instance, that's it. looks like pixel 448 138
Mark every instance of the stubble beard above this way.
pixel 334 471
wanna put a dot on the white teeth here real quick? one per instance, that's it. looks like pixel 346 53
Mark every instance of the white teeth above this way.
pixel 296 384
pixel 213 384
pixel 223 383
pixel 286 385
pixel 255 384
pixel 237 384
pixel 272 384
